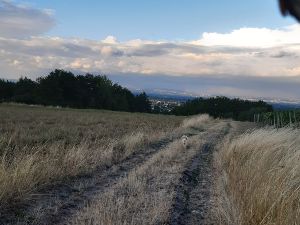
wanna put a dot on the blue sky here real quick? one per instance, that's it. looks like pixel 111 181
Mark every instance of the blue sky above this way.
pixel 233 48
pixel 158 19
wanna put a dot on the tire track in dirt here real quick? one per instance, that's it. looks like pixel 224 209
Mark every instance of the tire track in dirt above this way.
pixel 59 203
pixel 193 199
pixel 56 204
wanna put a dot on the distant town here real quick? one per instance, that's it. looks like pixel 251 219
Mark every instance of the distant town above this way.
pixel 160 105
pixel 165 103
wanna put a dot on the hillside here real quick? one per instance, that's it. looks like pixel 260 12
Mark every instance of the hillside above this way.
pixel 70 166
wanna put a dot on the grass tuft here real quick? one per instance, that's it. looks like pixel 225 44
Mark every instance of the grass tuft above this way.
pixel 259 178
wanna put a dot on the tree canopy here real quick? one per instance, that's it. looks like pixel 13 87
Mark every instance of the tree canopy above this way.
pixel 223 107
pixel 63 88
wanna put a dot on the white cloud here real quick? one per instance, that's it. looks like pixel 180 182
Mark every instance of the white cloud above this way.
pixel 253 37
pixel 212 55
pixel 248 52
pixel 110 40
pixel 22 21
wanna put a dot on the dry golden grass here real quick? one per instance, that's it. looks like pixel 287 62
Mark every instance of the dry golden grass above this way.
pixel 139 198
pixel 259 178
pixel 196 121
pixel 40 145
pixel 146 195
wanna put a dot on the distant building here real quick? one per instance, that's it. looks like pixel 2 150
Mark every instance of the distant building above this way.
pixel 163 105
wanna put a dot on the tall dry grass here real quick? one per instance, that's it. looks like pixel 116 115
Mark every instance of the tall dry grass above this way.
pixel 146 194
pixel 142 197
pixel 259 178
pixel 39 146
pixel 196 121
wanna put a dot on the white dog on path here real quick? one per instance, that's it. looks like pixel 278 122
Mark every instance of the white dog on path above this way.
pixel 184 140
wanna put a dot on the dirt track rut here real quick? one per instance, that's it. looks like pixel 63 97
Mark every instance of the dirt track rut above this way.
pixel 56 204
pixel 192 200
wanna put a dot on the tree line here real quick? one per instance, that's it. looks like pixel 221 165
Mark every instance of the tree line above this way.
pixel 63 88
pixel 223 107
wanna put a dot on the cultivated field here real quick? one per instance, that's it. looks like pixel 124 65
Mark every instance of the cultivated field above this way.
pixel 65 166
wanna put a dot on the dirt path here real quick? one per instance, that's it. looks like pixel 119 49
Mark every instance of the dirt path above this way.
pixel 194 193
pixel 57 203
pixel 191 204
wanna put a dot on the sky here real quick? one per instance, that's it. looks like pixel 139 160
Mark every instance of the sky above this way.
pixel 216 47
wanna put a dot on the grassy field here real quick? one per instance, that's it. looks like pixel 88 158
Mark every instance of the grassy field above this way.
pixel 101 167
pixel 146 195
pixel 39 145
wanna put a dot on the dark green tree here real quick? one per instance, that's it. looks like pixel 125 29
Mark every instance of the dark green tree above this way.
pixel 63 88
pixel 25 91
pixel 142 103
pixel 223 107
pixel 6 90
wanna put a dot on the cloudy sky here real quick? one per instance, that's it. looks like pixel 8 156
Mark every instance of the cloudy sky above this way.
pixel 216 47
